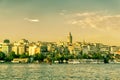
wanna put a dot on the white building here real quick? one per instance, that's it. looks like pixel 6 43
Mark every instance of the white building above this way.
pixel 21 49
pixel 15 49
pixel 32 49
pixel 6 48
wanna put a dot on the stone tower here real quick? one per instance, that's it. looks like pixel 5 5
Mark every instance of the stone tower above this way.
pixel 69 38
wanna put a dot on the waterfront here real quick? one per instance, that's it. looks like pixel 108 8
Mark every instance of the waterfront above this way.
pixel 59 72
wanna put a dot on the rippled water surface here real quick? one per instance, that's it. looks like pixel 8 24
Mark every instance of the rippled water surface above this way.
pixel 60 72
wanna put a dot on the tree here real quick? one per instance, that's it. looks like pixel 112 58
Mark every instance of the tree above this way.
pixel 10 56
pixel 85 56
pixel 6 41
pixel 40 57
pixel 98 55
pixel 24 55
pixel 2 56
pixel 66 57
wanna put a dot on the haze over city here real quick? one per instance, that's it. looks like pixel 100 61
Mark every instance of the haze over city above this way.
pixel 51 20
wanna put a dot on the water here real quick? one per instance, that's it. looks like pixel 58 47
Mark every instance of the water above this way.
pixel 59 72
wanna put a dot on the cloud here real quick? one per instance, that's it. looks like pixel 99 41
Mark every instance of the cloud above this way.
pixel 31 20
pixel 63 12
pixel 95 20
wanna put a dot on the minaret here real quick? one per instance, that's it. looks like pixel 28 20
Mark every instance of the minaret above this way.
pixel 69 38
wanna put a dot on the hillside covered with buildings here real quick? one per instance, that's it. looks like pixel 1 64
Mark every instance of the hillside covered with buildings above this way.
pixel 56 51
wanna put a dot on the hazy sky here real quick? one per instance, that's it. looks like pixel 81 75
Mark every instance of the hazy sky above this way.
pixel 52 20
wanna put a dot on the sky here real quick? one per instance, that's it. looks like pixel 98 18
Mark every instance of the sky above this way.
pixel 52 20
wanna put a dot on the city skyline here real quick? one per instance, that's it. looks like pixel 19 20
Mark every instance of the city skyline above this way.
pixel 52 20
